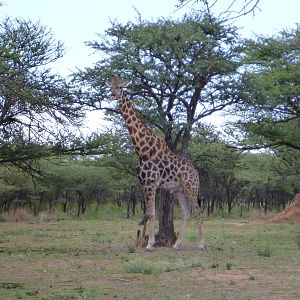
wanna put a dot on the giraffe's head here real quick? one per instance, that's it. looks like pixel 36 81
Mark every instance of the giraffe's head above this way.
pixel 117 85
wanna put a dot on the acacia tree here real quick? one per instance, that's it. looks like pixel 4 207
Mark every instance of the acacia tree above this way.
pixel 230 9
pixel 181 71
pixel 218 164
pixel 271 114
pixel 36 106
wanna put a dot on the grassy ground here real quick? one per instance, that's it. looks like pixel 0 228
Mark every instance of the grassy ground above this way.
pixel 97 259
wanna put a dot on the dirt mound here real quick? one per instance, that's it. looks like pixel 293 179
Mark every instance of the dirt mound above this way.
pixel 291 213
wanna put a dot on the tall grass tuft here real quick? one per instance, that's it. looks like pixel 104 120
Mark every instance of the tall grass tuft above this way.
pixel 183 264
pixel 101 238
pixel 266 251
pixel 40 234
pixel 228 265
pixel 141 266
pixel 298 241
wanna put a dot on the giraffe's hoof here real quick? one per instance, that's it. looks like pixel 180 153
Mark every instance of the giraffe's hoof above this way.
pixel 201 247
pixel 176 247
pixel 149 248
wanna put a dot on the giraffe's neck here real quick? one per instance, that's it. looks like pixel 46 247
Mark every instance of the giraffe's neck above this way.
pixel 144 140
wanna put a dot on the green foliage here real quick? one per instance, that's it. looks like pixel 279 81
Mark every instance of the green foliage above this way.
pixel 37 107
pixel 229 176
pixel 271 91
pixel 175 66
pixel 268 169
pixel 181 71
pixel 218 165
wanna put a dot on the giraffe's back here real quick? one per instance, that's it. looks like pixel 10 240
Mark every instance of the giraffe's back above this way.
pixel 169 171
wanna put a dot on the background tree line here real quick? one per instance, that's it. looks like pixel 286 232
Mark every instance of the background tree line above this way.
pixel 229 179
pixel 181 72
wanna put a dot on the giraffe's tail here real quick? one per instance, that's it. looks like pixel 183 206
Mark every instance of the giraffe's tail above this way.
pixel 144 220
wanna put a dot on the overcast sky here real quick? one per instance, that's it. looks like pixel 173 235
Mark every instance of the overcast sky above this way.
pixel 76 21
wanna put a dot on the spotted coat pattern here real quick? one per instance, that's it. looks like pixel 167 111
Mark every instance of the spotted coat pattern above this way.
pixel 159 167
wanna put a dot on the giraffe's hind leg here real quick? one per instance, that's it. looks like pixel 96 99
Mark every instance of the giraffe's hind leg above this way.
pixel 185 210
pixel 192 195
pixel 196 210
pixel 149 192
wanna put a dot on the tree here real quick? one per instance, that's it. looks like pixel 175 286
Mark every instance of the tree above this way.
pixel 121 162
pixel 271 115
pixel 181 72
pixel 37 107
pixel 218 165
pixel 269 182
pixel 80 181
pixel 231 9
pixel 231 178
pixel 16 190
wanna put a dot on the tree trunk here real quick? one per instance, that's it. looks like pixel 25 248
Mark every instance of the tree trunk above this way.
pixel 208 206
pixel 166 235
pixel 128 206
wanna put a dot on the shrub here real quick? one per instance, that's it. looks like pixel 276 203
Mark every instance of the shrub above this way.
pixel 3 218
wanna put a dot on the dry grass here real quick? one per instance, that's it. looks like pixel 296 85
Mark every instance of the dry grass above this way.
pixel 18 215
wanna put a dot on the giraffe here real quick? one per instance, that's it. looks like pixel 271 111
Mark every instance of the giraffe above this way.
pixel 159 167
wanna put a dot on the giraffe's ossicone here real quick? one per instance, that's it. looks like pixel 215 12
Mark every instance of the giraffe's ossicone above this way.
pixel 159 167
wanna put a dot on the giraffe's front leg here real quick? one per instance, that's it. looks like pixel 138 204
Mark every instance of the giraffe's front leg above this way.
pixel 150 225
pixel 149 192
pixel 185 210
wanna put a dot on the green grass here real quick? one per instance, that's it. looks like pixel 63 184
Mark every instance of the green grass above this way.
pixel 97 259
pixel 40 234
pixel 182 264
pixel 298 241
pixel 141 266
pixel 228 265
pixel 265 251
pixel 102 238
